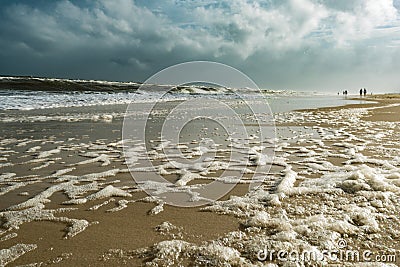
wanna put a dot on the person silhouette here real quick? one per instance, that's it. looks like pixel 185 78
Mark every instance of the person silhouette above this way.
pixel 361 92
pixel 365 92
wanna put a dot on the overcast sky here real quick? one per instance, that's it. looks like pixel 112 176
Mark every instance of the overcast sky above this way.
pixel 327 45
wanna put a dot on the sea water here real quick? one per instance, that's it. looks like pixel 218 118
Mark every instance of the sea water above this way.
pixel 279 101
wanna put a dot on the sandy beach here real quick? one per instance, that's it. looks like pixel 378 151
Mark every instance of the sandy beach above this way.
pixel 200 133
pixel 68 199
pixel 245 133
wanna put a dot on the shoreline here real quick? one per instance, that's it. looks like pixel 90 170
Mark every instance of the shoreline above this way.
pixel 103 243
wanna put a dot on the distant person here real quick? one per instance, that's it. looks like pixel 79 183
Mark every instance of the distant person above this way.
pixel 365 92
pixel 361 92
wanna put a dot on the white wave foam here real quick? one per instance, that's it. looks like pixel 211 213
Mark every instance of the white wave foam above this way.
pixel 11 254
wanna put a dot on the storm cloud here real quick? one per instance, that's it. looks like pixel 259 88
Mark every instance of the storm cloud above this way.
pixel 292 44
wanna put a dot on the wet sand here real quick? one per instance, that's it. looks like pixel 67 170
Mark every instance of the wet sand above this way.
pixel 112 238
pixel 129 229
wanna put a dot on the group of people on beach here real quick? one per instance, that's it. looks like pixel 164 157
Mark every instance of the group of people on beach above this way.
pixel 362 92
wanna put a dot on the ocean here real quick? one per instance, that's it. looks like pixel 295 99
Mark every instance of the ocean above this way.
pixel 43 93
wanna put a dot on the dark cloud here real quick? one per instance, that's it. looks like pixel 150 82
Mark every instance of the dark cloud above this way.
pixel 293 44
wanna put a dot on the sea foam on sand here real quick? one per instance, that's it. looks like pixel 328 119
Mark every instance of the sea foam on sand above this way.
pixel 338 180
pixel 356 200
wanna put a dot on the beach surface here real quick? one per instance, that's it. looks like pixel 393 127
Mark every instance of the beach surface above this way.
pixel 67 197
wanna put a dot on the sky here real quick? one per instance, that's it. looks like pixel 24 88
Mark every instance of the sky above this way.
pixel 316 45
